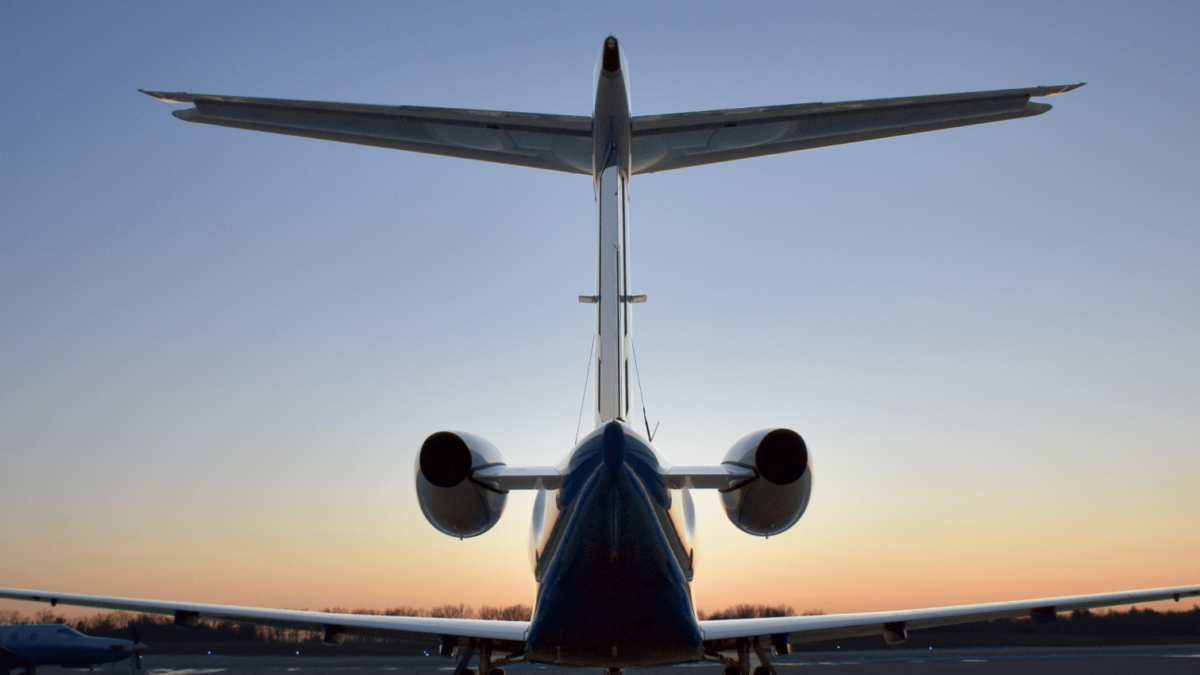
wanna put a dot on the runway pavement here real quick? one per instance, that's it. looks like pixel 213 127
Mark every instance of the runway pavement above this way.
pixel 1027 661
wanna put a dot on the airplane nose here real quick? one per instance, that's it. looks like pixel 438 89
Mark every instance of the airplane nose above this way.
pixel 140 645
pixel 612 55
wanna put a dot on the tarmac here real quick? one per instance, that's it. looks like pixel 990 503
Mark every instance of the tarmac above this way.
pixel 1027 661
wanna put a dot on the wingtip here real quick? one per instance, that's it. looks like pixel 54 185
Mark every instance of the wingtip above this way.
pixel 1061 89
pixel 176 97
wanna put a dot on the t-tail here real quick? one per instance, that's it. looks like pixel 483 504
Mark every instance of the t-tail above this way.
pixel 612 161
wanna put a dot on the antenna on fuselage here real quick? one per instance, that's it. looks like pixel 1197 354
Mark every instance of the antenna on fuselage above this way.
pixel 638 372
pixel 586 377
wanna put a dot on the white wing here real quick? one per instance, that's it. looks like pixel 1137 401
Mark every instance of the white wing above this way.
pixel 508 636
pixel 723 634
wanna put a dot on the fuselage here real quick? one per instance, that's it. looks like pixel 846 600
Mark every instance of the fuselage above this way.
pixel 612 547
pixel 613 559
pixel 60 645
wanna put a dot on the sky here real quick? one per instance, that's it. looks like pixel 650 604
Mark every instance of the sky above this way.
pixel 221 350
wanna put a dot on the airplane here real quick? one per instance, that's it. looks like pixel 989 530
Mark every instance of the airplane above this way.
pixel 613 522
pixel 54 644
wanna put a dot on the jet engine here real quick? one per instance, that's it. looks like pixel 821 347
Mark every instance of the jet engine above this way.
pixel 776 497
pixel 451 500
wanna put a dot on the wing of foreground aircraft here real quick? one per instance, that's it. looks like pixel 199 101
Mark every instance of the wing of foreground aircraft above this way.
pixel 893 626
pixel 334 626
pixel 564 142
pixel 509 636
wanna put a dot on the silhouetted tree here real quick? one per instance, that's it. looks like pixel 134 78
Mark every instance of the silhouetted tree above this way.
pixel 752 612
pixel 510 613
pixel 453 612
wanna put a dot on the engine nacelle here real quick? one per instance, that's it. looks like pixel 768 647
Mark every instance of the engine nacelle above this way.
pixel 776 497
pixel 451 501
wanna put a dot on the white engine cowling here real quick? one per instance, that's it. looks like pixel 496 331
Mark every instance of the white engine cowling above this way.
pixel 776 497
pixel 451 501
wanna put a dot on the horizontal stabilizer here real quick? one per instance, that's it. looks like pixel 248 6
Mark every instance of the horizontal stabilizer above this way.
pixel 564 142
pixel 664 142
pixel 555 142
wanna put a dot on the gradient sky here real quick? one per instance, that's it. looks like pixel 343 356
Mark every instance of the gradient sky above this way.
pixel 220 350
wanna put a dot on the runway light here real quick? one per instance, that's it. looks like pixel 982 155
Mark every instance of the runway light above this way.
pixel 297 653
pixel 931 649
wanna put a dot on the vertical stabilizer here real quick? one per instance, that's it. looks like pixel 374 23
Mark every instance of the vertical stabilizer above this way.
pixel 612 310
pixel 611 143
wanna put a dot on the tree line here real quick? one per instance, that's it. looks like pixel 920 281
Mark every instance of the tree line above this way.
pixel 153 628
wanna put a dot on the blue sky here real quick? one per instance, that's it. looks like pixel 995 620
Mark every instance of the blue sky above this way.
pixel 221 350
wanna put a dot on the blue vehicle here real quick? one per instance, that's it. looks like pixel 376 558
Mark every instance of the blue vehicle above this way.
pixel 55 644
